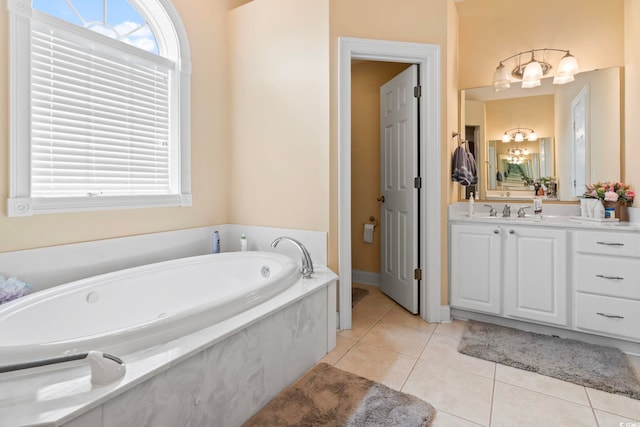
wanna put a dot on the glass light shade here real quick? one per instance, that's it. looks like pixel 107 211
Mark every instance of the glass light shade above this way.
pixel 568 66
pixel 532 75
pixel 501 80
pixel 517 151
pixel 506 137
pixel 525 151
pixel 532 136
pixel 519 137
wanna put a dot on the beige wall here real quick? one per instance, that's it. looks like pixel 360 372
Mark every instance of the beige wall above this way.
pixel 279 68
pixel 492 30
pixel 631 147
pixel 205 22
pixel 366 79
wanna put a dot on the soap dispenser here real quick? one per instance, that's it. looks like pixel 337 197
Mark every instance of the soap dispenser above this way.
pixel 243 243
pixel 471 204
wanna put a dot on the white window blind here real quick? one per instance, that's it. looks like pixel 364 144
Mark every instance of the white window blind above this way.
pixel 99 119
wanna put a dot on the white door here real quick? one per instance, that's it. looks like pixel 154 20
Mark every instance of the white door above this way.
pixel 399 207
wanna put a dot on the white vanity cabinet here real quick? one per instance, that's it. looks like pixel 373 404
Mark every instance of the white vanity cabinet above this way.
pixel 607 283
pixel 475 267
pixel 513 271
pixel 555 272
pixel 535 274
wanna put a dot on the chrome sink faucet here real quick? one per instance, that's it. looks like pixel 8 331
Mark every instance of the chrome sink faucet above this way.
pixel 492 210
pixel 506 211
pixel 307 264
pixel 521 213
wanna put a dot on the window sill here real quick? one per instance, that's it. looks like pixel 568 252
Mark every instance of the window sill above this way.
pixel 18 207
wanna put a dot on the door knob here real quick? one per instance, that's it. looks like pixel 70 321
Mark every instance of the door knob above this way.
pixel 380 199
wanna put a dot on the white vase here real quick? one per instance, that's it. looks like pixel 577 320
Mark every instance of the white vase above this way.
pixel 598 210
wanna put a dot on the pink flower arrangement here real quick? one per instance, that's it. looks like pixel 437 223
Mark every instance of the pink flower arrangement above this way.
pixel 610 192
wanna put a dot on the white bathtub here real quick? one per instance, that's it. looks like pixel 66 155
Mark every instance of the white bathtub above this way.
pixel 136 308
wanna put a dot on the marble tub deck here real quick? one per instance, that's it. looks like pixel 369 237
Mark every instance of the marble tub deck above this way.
pixel 65 396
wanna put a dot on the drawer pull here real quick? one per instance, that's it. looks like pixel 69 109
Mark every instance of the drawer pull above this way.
pixel 610 244
pixel 610 316
pixel 602 276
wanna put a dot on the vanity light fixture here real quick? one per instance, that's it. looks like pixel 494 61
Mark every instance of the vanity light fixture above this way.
pixel 532 71
pixel 519 135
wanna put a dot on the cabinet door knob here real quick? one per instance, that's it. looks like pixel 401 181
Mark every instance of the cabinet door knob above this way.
pixel 496 231
pixel 512 231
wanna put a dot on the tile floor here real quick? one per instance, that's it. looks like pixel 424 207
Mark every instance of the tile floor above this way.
pixel 389 345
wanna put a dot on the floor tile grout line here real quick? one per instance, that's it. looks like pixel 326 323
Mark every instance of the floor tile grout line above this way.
pixel 409 375
pixel 544 393
pixel 493 399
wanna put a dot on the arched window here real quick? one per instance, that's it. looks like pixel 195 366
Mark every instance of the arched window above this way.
pixel 100 106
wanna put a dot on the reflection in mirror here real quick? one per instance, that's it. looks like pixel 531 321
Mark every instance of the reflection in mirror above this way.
pixel 520 168
pixel 572 155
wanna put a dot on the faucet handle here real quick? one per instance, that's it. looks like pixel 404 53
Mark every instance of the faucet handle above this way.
pixel 521 213
pixel 492 210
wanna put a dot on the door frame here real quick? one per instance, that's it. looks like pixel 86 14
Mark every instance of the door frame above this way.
pixel 428 58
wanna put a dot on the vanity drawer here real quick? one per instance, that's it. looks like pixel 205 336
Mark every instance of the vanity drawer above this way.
pixel 608 243
pixel 612 276
pixel 608 315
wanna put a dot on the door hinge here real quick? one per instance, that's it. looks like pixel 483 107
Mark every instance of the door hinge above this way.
pixel 417 274
pixel 417 182
pixel 417 91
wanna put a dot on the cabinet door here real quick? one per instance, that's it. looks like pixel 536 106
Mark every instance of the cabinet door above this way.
pixel 535 282
pixel 475 267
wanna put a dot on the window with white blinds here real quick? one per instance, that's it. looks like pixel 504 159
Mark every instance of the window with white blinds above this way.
pixel 100 124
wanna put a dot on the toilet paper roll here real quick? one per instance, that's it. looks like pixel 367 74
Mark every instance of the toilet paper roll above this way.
pixel 368 233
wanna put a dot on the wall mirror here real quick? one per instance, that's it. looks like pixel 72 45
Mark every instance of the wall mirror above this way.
pixel 578 128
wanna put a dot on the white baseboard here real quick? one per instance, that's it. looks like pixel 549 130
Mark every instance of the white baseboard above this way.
pixel 445 314
pixel 365 277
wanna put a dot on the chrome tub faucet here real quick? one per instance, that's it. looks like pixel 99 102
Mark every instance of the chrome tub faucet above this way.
pixel 307 264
